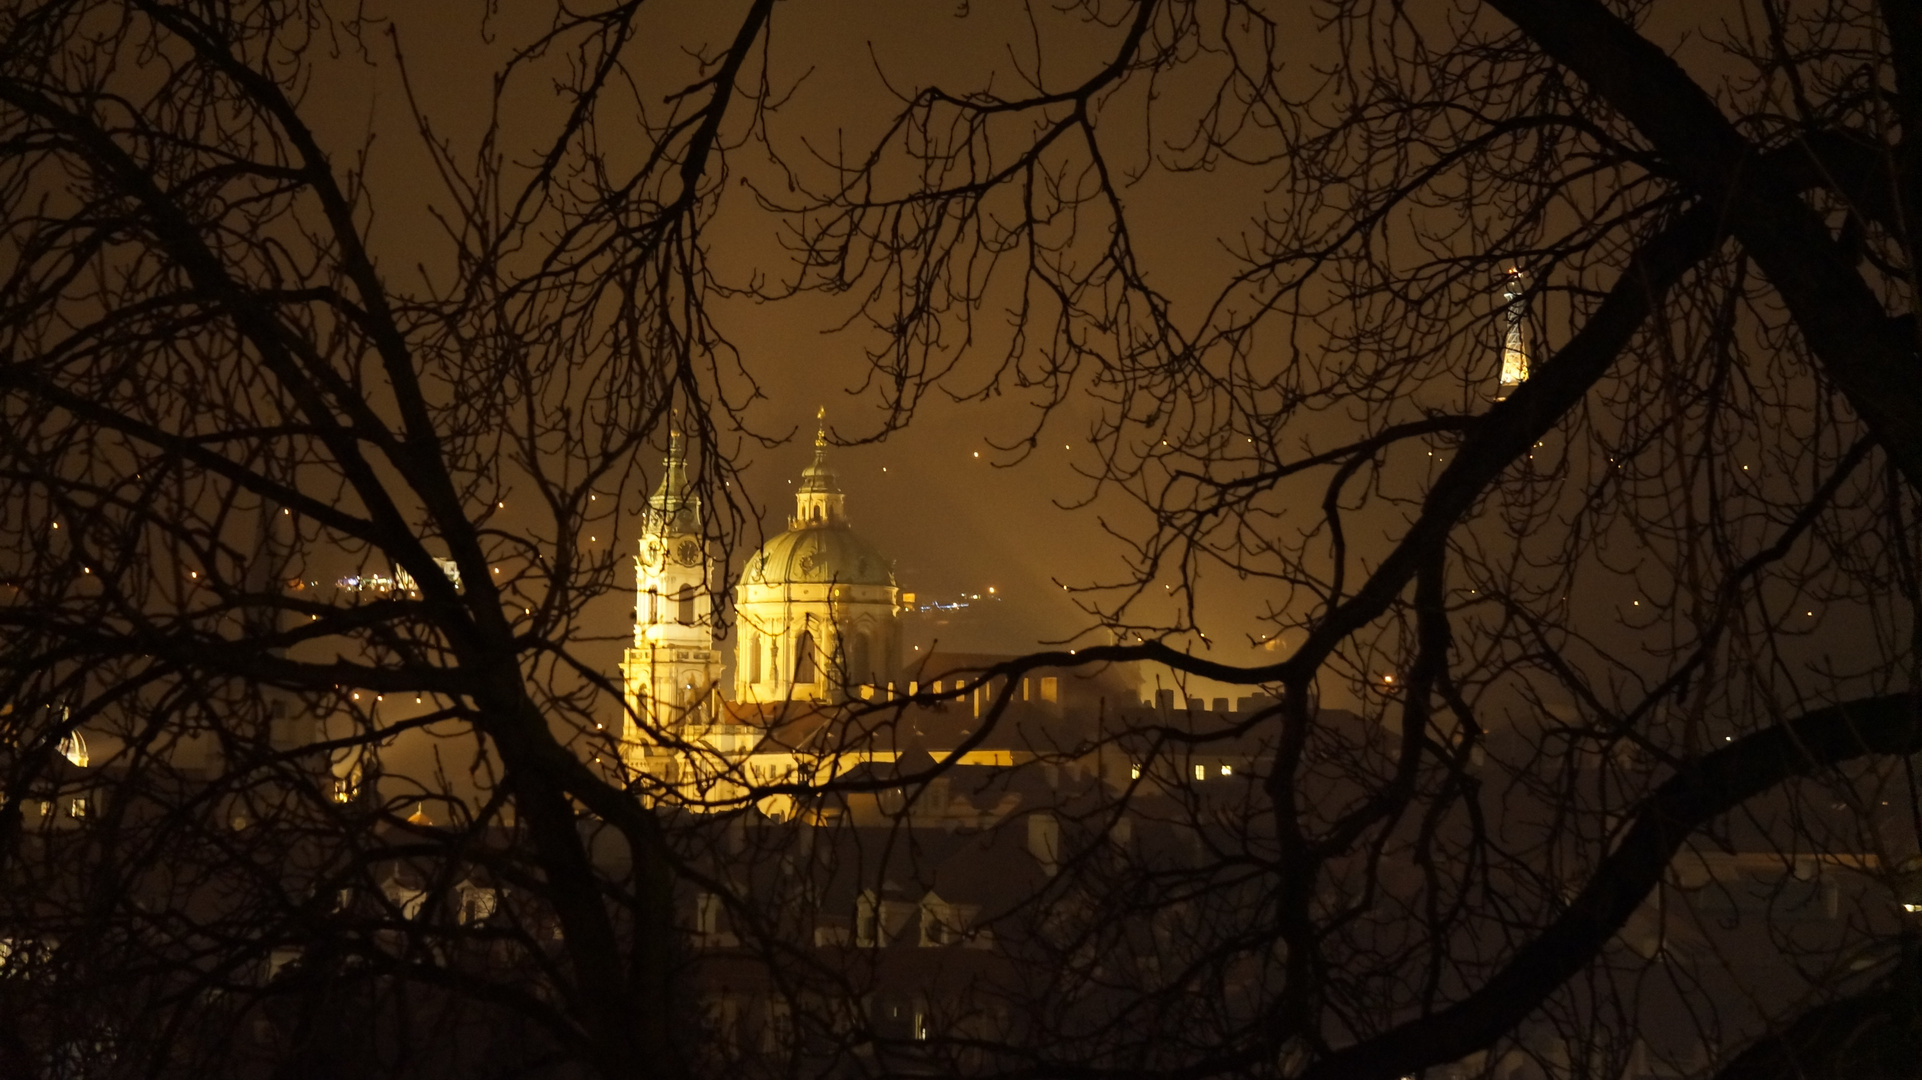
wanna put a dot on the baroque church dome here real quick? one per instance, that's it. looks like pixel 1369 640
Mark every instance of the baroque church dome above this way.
pixel 817 554
pixel 819 547
pixel 818 608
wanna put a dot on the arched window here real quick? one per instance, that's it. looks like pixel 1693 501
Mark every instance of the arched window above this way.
pixel 685 600
pixel 653 612
pixel 804 666
pixel 751 645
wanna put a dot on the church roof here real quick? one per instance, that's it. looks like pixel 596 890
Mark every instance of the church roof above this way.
pixel 823 554
pixel 819 547
pixel 674 508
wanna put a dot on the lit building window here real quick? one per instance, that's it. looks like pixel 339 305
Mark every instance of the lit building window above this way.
pixel 1201 772
pixel 1134 771
pixel 1227 770
pixel 77 808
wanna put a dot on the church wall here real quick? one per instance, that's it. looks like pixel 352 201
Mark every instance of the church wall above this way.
pixel 773 621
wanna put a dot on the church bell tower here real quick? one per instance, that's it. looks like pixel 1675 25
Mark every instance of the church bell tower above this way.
pixel 672 670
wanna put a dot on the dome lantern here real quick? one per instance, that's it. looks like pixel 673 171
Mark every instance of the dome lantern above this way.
pixel 819 501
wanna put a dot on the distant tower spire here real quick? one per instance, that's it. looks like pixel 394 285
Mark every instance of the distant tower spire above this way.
pixel 1514 332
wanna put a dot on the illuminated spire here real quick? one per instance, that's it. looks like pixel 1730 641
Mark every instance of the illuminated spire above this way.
pixel 674 509
pixel 1514 333
pixel 818 500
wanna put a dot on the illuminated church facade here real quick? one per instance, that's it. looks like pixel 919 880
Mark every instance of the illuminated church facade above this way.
pixel 818 622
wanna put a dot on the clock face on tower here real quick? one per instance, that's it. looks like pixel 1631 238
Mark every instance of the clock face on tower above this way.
pixel 689 552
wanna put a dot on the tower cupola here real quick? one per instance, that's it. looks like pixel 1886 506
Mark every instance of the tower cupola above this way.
pixel 675 508
pixel 819 501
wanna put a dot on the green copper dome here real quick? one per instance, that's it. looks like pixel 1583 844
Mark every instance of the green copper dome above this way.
pixel 818 548
pixel 828 555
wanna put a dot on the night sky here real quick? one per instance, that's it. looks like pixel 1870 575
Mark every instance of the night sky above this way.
pixel 932 497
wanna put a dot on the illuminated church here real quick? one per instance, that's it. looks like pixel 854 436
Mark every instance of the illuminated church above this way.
pixel 818 623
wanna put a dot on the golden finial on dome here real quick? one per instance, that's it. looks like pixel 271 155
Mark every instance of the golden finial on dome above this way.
pixel 821 428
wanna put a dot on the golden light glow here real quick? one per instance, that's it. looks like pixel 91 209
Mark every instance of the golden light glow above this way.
pixel 1514 333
